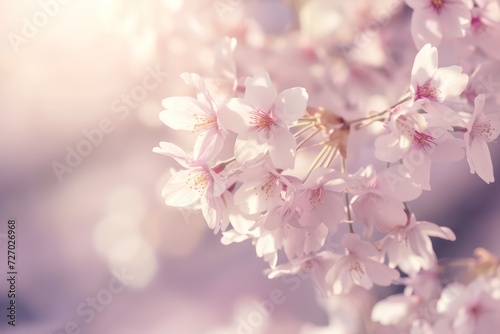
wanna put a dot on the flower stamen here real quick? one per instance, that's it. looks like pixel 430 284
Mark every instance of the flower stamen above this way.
pixel 262 120
pixel 423 141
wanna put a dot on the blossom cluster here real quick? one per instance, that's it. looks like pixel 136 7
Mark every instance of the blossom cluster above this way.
pixel 269 166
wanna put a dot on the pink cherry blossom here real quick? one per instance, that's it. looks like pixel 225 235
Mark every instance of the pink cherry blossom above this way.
pixel 262 118
pixel 403 123
pixel 199 116
pixel 410 247
pixel 222 82
pixel 198 182
pixel 303 241
pixel 358 267
pixel 485 27
pixel 320 200
pixel 378 201
pixel 470 309
pixel 314 266
pixel 267 243
pixel 435 85
pixel 481 129
pixel 260 189
pixel 435 20
pixel 433 145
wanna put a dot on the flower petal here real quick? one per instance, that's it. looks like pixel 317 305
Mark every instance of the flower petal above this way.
pixel 260 92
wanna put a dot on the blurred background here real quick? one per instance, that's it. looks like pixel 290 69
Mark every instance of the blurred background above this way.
pixel 72 70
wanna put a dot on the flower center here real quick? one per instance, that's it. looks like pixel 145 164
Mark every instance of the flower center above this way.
pixel 485 130
pixel 477 25
pixel 426 91
pixel 437 4
pixel 267 186
pixel 316 197
pixel 356 271
pixel 476 310
pixel 307 266
pixel 203 123
pixel 423 141
pixel 261 119
pixel 405 125
pixel 198 182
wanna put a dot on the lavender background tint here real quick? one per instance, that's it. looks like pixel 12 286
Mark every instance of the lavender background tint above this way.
pixel 108 213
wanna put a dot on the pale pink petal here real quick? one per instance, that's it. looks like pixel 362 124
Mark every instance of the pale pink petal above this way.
pixel 416 4
pixel 175 152
pixel 478 108
pixel 236 116
pixel 434 230
pixel 314 238
pixel 421 246
pixel 181 112
pixel 232 236
pixel 330 211
pixel 335 272
pixel 425 65
pixel 419 163
pixel 455 19
pixel 298 242
pixel 177 192
pixel 291 104
pixel 397 182
pixel 208 145
pixel 390 148
pixel 260 92
pixel 355 245
pixel 425 28
pixel 203 95
pixel 224 61
pixel 450 81
pixel 479 159
pixel 450 150
pixel 217 184
pixel 389 216
pixel 213 212
pixel 282 147
pixel 392 310
pixel 379 273
pixel 360 277
pixel 247 149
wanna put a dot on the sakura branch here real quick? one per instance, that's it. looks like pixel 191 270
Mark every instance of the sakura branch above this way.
pixel 280 166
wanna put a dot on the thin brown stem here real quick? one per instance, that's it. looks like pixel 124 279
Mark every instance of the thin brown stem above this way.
pixel 347 204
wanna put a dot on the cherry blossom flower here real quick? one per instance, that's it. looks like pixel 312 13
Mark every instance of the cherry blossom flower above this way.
pixel 267 243
pixel 314 266
pixel 261 120
pixel 433 145
pixel 474 308
pixel 303 241
pixel 198 116
pixel 406 313
pixel 410 247
pixel 485 27
pixel 222 83
pixel 434 20
pixel 260 189
pixel 403 123
pixel 319 199
pixel 358 268
pixel 378 201
pixel 198 182
pixel 435 85
pixel 481 129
